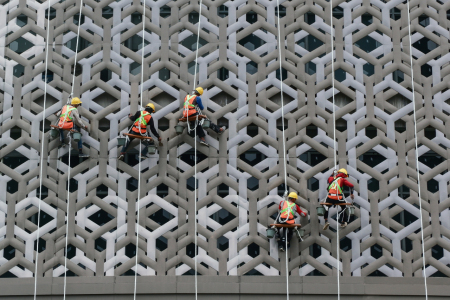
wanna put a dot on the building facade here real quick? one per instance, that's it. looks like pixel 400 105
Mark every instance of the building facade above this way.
pixel 300 86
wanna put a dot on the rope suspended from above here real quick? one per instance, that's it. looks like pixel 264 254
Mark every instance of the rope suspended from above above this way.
pixel 42 155
pixel 416 151
pixel 70 141
pixel 284 139
pixel 140 153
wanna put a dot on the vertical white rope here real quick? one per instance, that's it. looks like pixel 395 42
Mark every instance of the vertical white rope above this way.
pixel 195 155
pixel 76 46
pixel 67 219
pixel 140 153
pixel 42 153
pixel 334 141
pixel 70 144
pixel 287 264
pixel 416 150
pixel 284 138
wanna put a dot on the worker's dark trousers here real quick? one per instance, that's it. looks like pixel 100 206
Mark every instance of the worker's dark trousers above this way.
pixel 342 216
pixel 282 235
pixel 75 127
pixel 144 146
pixel 199 130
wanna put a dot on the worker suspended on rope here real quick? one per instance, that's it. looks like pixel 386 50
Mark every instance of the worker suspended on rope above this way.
pixel 336 195
pixel 69 115
pixel 141 119
pixel 192 107
pixel 286 215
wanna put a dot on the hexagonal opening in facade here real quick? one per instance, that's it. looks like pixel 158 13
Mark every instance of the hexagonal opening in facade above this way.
pixel 252 157
pixel 20 45
pixel 425 45
pixel 134 43
pixel 101 217
pixel 431 159
pixel 22 20
pixel 251 42
pixel 367 44
pixel 251 67
pixel 18 70
pixel 251 17
pixel 82 44
pixel 222 216
pixel 161 216
pixel 310 43
pixel 190 42
pixel 372 158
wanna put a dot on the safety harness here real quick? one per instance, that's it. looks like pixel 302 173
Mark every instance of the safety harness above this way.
pixel 334 185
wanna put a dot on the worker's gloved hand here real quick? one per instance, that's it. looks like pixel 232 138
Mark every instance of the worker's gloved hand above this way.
pixel 86 128
pixel 352 196
pixel 159 139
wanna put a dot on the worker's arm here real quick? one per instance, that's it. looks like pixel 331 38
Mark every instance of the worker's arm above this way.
pixel 199 103
pixel 77 119
pixel 300 211
pixel 135 117
pixel 153 129
pixel 58 113
pixel 350 185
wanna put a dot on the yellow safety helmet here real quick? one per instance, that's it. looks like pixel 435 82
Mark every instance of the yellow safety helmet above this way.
pixel 152 106
pixel 199 90
pixel 343 171
pixel 75 101
pixel 293 195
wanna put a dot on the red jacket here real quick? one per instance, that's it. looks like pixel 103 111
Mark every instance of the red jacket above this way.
pixel 344 182
pixel 297 208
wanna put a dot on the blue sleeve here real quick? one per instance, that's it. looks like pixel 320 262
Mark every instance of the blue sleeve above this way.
pixel 199 102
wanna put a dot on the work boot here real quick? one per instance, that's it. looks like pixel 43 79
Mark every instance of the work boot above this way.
pixel 82 155
pixel 144 156
pixel 281 248
pixel 343 225
pixel 63 144
pixel 204 143
pixel 121 156
pixel 325 227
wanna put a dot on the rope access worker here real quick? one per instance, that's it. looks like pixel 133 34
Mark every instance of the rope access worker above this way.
pixel 67 116
pixel 286 215
pixel 336 196
pixel 192 107
pixel 141 119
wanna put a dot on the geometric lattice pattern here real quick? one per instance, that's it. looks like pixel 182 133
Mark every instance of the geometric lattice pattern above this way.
pixel 240 177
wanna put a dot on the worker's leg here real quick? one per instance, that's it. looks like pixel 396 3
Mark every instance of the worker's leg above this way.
pixel 201 134
pixel 216 128
pixel 325 215
pixel 61 136
pixel 80 142
pixel 124 148
pixel 282 240
pixel 144 148
pixel 289 235
pixel 343 215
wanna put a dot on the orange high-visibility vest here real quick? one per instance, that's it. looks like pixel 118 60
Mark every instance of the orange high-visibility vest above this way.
pixel 288 212
pixel 65 120
pixel 140 125
pixel 335 189
pixel 189 107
